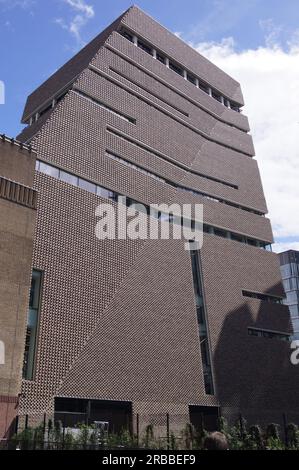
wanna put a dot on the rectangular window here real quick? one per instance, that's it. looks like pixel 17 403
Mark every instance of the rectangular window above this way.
pixel 237 238
pixel 203 87
pixel 48 170
pixel 145 47
pixel 175 68
pixel 128 36
pixel 216 96
pixel 68 178
pixel 264 297
pixel 220 233
pixel 32 325
pixel 160 58
pixel 90 187
pixel 269 334
pixel 191 78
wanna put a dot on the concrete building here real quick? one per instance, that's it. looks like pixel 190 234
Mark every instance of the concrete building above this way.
pixel 17 222
pixel 289 267
pixel 144 327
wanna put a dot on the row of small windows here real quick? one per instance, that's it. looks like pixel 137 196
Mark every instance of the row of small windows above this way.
pixel 112 195
pixel 180 188
pixel 269 334
pixel 265 297
pixel 75 180
pixel 180 70
pixel 47 107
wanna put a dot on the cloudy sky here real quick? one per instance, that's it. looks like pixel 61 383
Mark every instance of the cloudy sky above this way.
pixel 255 41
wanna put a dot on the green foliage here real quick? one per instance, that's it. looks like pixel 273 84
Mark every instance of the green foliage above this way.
pixel 173 442
pixel 188 435
pixel 255 437
pixel 292 435
pixel 149 438
pixel 238 436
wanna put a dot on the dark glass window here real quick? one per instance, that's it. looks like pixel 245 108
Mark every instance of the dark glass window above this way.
pixel 145 47
pixel 203 87
pixel 220 233
pixel 128 36
pixel 236 237
pixel 175 68
pixel 191 78
pixel 264 297
pixel 216 96
pixel 202 323
pixel 32 325
pixel 160 58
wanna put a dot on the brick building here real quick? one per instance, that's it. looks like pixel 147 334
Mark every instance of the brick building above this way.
pixel 17 216
pixel 127 327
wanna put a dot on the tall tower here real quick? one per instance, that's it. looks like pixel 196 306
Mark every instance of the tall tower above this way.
pixel 129 327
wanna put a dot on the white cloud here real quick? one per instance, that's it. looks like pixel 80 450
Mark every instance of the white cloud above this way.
pixel 269 78
pixel 82 13
pixel 280 247
pixel 24 4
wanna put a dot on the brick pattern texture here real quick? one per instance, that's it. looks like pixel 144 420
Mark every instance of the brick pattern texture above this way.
pixel 118 318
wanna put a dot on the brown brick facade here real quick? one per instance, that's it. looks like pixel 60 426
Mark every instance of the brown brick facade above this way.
pixel 17 215
pixel 118 318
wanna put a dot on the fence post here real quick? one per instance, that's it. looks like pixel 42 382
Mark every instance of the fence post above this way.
pixel 285 429
pixel 16 424
pixel 63 431
pixel 241 426
pixel 44 430
pixel 168 434
pixel 26 421
pixel 137 428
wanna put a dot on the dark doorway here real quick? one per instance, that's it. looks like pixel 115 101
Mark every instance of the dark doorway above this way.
pixel 73 411
pixel 204 417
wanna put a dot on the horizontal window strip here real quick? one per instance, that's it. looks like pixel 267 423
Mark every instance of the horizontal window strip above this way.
pixel 104 106
pixel 164 111
pixel 173 88
pixel 177 186
pixel 147 91
pixel 179 69
pixel 265 297
pixel 98 190
pixel 166 158
pixel 269 334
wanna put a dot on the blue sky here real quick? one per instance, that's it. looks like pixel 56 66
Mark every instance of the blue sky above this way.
pixel 38 36
pixel 34 44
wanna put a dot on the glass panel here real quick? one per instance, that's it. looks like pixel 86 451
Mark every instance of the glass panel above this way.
pixel 68 178
pixel 202 323
pixel 90 187
pixel 49 170
pixel 32 324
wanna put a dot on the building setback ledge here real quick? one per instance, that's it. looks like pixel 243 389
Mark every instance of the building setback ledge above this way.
pixel 12 141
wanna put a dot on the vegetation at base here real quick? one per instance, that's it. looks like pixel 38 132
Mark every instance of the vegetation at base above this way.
pixel 239 436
